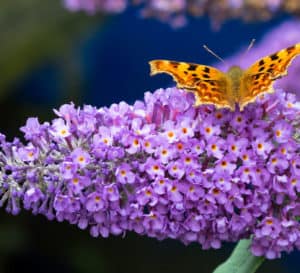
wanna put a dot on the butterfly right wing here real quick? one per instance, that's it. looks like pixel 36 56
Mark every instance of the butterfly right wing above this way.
pixel 209 85
pixel 258 79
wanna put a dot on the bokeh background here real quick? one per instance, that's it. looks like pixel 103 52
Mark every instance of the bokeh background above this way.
pixel 50 56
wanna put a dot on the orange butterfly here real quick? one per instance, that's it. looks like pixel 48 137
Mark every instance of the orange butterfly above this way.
pixel 224 90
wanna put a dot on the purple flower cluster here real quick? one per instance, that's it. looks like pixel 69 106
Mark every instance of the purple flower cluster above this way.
pixel 164 169
pixel 91 6
pixel 176 11
pixel 282 36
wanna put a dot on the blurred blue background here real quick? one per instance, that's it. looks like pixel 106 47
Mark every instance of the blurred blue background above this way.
pixel 49 57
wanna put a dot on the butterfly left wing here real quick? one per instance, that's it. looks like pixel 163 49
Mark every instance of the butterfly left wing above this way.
pixel 209 84
pixel 259 77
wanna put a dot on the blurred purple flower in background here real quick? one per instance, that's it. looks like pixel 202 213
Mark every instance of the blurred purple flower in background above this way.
pixel 164 169
pixel 175 12
pixel 282 36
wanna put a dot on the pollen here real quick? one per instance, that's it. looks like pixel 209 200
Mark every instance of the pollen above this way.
pixel 208 130
pixel 97 198
pixel 192 174
pixel 30 154
pixel 239 119
pixel 219 115
pixel 148 193
pixel 246 170
pixel 147 144
pixel 260 146
pixel 161 182
pixel 188 160
pixel 294 181
pixel 283 150
pixel 174 189
pixel 164 152
pixel 63 132
pixel 245 157
pixel 233 148
pixel 171 134
pixel 278 133
pixel 269 222
pixel 155 168
pixel 214 147
pixel 274 160
pixel 191 189
pixel 136 142
pixel 81 159
pixel 184 130
pixel 224 164
pixel 179 146
pixel 75 180
pixel 123 172
pixel 216 191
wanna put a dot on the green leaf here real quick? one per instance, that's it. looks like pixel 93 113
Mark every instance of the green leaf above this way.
pixel 241 260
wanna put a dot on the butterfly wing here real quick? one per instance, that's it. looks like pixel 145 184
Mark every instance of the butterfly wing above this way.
pixel 209 85
pixel 259 77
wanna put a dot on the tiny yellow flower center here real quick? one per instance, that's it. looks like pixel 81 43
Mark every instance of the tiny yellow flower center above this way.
pixel 224 164
pixel 269 222
pixel 148 192
pixel 294 181
pixel 208 130
pixel 164 152
pixel 179 146
pixel 274 160
pixel 155 167
pixel 75 180
pixel 239 119
pixel 170 134
pixel 81 159
pixel 174 189
pixel 278 133
pixel 216 191
pixel 136 142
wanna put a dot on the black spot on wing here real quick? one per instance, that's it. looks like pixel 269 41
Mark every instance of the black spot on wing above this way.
pixel 290 49
pixel 274 57
pixel 192 67
pixel 206 69
pixel 262 68
pixel 261 62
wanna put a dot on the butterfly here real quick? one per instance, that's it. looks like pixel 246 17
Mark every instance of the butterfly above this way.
pixel 236 86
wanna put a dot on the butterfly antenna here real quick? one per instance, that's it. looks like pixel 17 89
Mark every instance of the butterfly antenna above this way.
pixel 250 45
pixel 213 53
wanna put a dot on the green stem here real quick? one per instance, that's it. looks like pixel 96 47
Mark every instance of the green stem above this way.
pixel 241 260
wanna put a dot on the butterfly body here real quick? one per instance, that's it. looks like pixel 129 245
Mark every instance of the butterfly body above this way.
pixel 236 86
pixel 234 75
